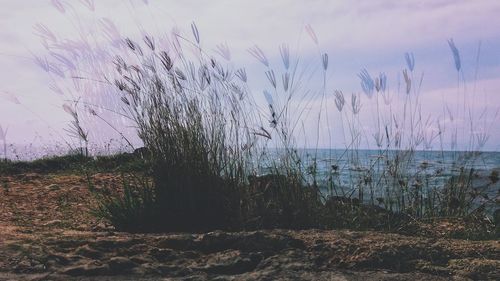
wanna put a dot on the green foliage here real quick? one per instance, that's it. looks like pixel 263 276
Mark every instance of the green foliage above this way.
pixel 281 201
pixel 130 209
pixel 75 162
pixel 44 165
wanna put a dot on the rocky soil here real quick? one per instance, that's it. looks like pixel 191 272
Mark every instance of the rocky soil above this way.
pixel 47 233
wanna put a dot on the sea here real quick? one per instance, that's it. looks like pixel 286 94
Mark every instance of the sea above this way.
pixel 369 173
pixel 342 172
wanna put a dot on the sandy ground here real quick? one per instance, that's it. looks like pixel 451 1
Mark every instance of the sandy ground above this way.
pixel 47 233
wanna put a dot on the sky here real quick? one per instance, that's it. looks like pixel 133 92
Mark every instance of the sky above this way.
pixel 355 34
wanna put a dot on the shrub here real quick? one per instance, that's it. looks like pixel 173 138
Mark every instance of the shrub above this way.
pixel 276 200
pixel 191 117
pixel 130 209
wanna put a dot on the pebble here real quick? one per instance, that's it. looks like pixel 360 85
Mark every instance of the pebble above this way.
pixel 53 187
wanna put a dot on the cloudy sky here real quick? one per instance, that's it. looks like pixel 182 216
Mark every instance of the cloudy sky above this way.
pixel 355 34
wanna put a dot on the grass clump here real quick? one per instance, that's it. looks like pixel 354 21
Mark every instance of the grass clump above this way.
pixel 207 146
pixel 209 143
pixel 53 164
pixel 130 208
pixel 279 201
pixel 121 162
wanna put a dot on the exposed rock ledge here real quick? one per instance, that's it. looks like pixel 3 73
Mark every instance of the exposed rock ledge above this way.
pixel 261 255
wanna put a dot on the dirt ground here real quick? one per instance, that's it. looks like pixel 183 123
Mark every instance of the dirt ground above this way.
pixel 47 233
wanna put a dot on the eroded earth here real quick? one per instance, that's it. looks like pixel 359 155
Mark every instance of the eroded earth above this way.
pixel 48 233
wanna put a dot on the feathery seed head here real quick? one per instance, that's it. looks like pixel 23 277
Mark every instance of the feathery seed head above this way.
pixel 285 55
pixel 196 34
pixel 456 54
pixel 149 41
pixel 223 51
pixel 407 81
pixel 286 81
pixel 242 74
pixel 339 100
pixel 381 82
pixel 355 104
pixel 257 53
pixel 166 60
pixel 324 60
pixel 367 83
pixel 410 60
pixel 58 5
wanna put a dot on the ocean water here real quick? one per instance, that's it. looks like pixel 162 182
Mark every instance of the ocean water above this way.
pixel 327 161
pixel 364 174
pixel 442 164
pixel 376 173
pixel 345 172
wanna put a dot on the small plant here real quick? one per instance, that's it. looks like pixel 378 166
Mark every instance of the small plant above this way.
pixel 131 209
pixel 76 130
pixel 281 201
pixel 5 186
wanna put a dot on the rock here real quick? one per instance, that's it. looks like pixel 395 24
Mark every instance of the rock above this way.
pixel 137 249
pixel 140 259
pixel 217 241
pixel 261 242
pixel 246 242
pixel 22 266
pixel 174 270
pixel 233 265
pixel 53 223
pixel 82 227
pixel 30 177
pixel 88 252
pixel 38 268
pixel 39 276
pixel 120 265
pixel 109 244
pixel 178 242
pixel 163 255
pixel 57 260
pixel 477 269
pixel 87 270
pixel 290 260
pixel 99 227
pixel 53 187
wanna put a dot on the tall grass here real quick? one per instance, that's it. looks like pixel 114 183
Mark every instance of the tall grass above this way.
pixel 396 178
pixel 210 141
pixel 195 116
pixel 190 117
pixel 403 173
